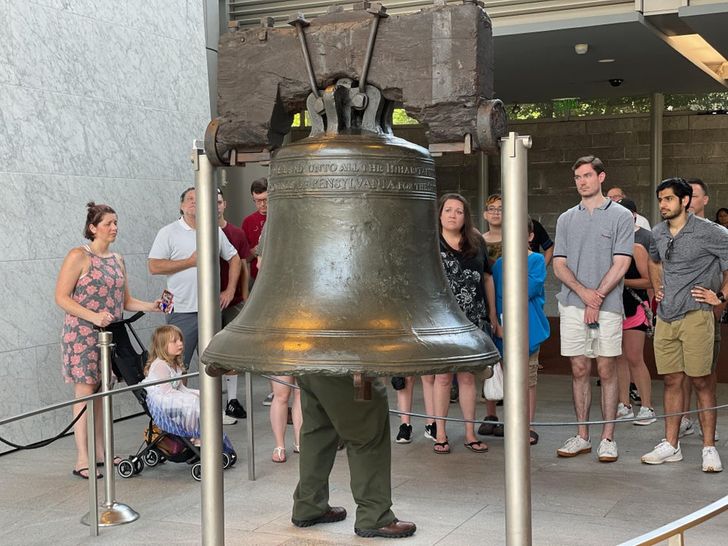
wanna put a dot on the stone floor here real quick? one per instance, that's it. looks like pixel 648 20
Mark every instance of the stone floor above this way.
pixel 454 499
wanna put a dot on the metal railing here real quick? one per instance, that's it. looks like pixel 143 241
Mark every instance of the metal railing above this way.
pixel 674 532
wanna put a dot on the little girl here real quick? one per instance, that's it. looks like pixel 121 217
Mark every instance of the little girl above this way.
pixel 174 407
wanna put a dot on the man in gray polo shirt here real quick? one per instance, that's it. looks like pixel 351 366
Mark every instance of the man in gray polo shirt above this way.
pixel 593 251
pixel 689 274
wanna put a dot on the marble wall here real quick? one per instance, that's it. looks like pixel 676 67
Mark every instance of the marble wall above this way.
pixel 99 101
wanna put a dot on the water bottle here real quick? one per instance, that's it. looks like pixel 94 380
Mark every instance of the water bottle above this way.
pixel 591 343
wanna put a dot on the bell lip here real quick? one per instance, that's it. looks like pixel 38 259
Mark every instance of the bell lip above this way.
pixel 475 363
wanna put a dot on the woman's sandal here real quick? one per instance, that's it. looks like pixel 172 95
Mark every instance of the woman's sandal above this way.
pixel 279 455
pixel 296 448
pixel 80 474
pixel 477 446
pixel 533 437
pixel 117 460
pixel 444 447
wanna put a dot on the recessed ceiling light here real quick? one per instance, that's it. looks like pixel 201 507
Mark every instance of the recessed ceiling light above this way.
pixel 606 60
pixel 581 49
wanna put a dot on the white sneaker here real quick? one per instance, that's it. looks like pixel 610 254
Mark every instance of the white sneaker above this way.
pixel 700 431
pixel 663 453
pixel 686 427
pixel 624 411
pixel 607 451
pixel 227 420
pixel 646 416
pixel 576 445
pixel 268 400
pixel 711 460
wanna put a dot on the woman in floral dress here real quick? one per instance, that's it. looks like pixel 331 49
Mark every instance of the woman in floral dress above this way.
pixel 92 290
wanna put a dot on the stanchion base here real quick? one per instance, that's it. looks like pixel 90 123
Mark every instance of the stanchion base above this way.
pixel 116 514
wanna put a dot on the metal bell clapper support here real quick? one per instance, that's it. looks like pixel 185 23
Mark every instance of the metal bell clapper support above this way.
pixel 111 513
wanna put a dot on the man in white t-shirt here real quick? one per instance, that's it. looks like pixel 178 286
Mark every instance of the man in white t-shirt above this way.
pixel 616 194
pixel 174 254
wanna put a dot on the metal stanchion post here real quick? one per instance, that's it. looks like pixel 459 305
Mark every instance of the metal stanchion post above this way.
pixel 515 314
pixel 209 321
pixel 92 518
pixel 112 512
pixel 250 429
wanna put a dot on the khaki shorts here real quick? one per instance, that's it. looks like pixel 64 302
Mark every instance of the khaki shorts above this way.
pixel 533 369
pixel 573 332
pixel 685 345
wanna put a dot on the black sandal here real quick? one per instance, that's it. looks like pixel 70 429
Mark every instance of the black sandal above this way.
pixel 444 445
pixel 533 437
pixel 472 447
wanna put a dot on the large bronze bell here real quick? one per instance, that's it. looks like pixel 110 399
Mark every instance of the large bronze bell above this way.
pixel 351 279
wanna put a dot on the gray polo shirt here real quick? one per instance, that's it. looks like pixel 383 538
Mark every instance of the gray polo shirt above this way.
pixel 589 242
pixel 698 256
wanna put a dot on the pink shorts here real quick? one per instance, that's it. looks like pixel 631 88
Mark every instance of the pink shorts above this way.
pixel 636 320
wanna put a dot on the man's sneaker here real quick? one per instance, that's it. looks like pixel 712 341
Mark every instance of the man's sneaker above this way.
pixel 227 420
pixel 624 412
pixel 646 416
pixel 700 431
pixel 268 400
pixel 431 431
pixel 405 434
pixel 634 393
pixel 686 427
pixel 607 451
pixel 711 460
pixel 663 453
pixel 576 445
pixel 234 409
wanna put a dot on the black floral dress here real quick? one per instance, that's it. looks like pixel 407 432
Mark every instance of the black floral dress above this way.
pixel 465 277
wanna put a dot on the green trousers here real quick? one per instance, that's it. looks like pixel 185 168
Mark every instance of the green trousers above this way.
pixel 330 412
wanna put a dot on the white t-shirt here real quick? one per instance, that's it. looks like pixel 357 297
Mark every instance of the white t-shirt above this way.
pixel 177 241
pixel 643 222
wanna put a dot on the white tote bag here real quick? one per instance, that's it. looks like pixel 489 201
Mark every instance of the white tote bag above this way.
pixel 493 387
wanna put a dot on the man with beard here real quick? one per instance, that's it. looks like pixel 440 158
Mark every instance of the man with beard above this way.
pixel 689 274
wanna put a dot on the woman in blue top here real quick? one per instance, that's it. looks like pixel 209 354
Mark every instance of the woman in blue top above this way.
pixel 538 324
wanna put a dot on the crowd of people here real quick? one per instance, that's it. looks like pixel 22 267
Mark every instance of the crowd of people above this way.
pixel 615 272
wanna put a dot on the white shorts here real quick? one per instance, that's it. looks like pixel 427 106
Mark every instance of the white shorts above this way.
pixel 573 332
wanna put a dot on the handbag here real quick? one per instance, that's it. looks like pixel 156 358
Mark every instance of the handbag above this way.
pixel 649 315
pixel 493 387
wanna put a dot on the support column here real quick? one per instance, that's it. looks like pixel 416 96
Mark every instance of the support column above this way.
pixel 514 186
pixel 483 188
pixel 656 114
pixel 209 322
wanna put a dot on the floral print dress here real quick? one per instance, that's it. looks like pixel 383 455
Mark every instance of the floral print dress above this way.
pixel 101 289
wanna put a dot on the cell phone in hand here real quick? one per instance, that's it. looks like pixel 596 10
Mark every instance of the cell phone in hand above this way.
pixel 167 302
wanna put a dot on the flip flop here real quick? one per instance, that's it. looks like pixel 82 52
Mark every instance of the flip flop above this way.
pixel 279 455
pixel 475 447
pixel 533 435
pixel 444 445
pixel 117 460
pixel 78 473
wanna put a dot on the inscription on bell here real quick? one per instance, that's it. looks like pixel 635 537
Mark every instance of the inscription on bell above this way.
pixel 313 167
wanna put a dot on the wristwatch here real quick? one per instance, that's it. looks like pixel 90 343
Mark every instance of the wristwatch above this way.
pixel 721 297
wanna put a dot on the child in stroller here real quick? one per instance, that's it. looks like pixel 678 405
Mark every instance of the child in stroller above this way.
pixel 173 407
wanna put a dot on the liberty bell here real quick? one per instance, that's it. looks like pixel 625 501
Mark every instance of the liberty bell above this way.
pixel 351 277
pixel 351 280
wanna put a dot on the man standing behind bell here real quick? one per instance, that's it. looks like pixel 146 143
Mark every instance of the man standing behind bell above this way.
pixel 330 411
pixel 174 254
pixel 253 223
pixel 593 251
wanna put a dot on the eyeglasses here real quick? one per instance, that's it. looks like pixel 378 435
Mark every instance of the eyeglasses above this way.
pixel 495 210
pixel 668 250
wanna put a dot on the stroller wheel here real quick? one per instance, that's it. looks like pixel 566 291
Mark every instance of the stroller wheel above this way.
pixel 197 471
pixel 226 461
pixel 138 465
pixel 125 469
pixel 233 458
pixel 152 457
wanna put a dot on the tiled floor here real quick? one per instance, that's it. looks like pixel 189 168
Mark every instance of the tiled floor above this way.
pixel 454 499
